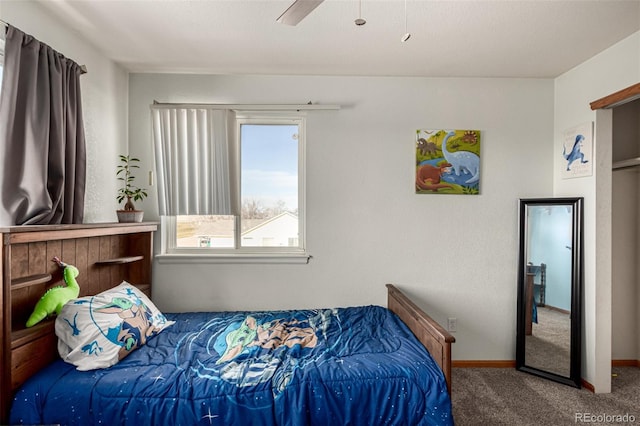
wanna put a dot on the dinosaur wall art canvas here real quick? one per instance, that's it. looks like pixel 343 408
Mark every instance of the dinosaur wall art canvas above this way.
pixel 447 161
pixel 577 151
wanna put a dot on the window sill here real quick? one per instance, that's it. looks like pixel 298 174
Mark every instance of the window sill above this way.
pixel 233 258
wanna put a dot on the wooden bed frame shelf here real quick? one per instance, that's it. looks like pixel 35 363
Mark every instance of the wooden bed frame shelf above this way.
pixel 120 260
pixel 104 253
pixel 29 281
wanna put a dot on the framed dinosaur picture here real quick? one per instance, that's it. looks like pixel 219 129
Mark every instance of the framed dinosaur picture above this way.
pixel 447 161
pixel 577 151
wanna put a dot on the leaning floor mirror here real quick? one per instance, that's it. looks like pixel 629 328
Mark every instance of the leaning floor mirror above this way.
pixel 548 340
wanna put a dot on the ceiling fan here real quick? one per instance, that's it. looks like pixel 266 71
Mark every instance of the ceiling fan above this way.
pixel 298 10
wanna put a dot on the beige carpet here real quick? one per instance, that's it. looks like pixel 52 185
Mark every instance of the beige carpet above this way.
pixel 504 396
pixel 548 347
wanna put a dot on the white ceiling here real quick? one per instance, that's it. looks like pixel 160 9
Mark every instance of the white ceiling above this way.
pixel 450 38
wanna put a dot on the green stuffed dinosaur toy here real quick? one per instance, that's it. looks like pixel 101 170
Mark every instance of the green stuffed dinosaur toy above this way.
pixel 54 299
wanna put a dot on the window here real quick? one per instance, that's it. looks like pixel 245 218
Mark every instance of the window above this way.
pixel 267 161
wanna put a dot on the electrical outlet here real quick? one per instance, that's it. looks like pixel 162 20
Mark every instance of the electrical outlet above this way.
pixel 452 324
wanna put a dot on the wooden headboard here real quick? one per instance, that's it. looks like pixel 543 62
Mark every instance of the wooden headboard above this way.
pixel 105 254
pixel 434 337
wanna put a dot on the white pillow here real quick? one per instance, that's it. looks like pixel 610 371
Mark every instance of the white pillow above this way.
pixel 98 331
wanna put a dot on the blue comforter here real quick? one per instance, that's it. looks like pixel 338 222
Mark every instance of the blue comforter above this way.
pixel 359 366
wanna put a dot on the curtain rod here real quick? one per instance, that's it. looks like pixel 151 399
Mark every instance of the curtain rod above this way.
pixel 254 107
pixel 83 68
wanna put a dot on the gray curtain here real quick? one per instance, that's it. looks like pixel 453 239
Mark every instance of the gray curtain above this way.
pixel 42 143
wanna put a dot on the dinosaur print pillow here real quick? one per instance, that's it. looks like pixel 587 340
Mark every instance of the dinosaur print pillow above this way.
pixel 98 331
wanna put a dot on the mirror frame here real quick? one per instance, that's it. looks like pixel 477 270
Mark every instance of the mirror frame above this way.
pixel 574 378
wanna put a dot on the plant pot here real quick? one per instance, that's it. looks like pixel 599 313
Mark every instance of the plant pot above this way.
pixel 130 216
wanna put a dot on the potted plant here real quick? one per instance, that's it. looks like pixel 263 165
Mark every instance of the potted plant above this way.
pixel 128 191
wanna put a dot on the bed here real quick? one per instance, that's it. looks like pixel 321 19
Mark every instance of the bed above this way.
pixel 352 365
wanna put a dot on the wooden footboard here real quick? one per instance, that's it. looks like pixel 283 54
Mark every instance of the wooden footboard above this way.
pixel 435 338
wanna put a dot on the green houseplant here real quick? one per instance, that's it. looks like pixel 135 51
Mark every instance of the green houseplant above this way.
pixel 128 191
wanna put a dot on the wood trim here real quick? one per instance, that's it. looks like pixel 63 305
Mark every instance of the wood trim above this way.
pixel 484 364
pixel 620 97
pixel 562 311
pixel 614 363
pixel 625 362
pixel 431 334
pixel 588 386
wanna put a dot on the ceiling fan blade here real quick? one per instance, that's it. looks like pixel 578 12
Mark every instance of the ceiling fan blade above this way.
pixel 297 11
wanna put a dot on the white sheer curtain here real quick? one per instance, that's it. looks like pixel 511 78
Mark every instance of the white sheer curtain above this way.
pixel 193 148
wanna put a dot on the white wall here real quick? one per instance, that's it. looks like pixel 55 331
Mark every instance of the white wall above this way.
pixel 456 255
pixel 104 98
pixel 612 70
